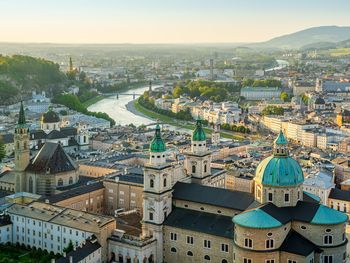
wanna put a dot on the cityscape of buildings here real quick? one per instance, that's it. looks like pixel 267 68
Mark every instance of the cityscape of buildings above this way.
pixel 176 153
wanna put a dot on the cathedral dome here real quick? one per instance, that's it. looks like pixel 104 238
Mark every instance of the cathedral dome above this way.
pixel 198 133
pixel 50 116
pixel 157 144
pixel 279 169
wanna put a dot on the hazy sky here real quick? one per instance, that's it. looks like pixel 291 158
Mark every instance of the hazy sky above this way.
pixel 163 21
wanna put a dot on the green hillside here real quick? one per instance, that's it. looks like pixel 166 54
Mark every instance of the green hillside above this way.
pixel 20 75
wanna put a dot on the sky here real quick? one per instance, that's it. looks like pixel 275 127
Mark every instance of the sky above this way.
pixel 163 21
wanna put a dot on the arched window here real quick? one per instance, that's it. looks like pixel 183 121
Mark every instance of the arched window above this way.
pixel 206 257
pixel 189 253
pixel 164 182
pixel 84 139
pixel 60 182
pixel 224 261
pixel 205 168
pixel 173 250
pixel 31 185
pixel 193 168
pixel 25 145
pixel 151 183
pixel 71 180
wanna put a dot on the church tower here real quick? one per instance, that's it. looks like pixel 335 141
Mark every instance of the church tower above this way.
pixel 198 159
pixel 215 136
pixel 279 177
pixel 22 152
pixel 157 193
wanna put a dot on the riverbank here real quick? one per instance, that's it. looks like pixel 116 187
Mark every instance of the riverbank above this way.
pixel 93 100
pixel 137 109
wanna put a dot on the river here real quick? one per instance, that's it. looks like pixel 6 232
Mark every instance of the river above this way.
pixel 116 108
pixel 281 64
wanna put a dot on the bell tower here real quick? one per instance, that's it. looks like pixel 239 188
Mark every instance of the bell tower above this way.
pixel 157 192
pixel 198 159
pixel 22 152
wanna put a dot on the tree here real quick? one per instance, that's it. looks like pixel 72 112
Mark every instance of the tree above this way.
pixel 2 151
pixel 272 110
pixel 284 96
pixel 305 99
pixel 69 247
pixel 178 91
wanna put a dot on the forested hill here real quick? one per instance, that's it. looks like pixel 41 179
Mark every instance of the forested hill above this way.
pixel 20 75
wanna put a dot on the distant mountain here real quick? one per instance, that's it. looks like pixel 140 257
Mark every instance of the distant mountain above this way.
pixel 322 36
pixel 327 45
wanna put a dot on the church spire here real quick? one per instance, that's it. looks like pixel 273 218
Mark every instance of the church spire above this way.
pixel 281 145
pixel 21 117
pixel 71 64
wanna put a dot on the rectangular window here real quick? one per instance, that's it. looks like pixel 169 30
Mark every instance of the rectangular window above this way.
pixel 224 247
pixel 270 261
pixel 247 260
pixel 328 259
pixel 190 240
pixel 270 197
pixel 207 244
pixel 286 197
pixel 248 243
pixel 291 261
pixel 173 236
pixel 328 240
pixel 269 243
pixel 150 216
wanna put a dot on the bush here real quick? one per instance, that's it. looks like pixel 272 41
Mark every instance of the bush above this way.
pixel 72 101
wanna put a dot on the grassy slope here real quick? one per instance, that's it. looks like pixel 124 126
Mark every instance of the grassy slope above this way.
pixel 171 121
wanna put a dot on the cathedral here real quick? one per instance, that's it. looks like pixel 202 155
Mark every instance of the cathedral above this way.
pixel 188 221
pixel 50 169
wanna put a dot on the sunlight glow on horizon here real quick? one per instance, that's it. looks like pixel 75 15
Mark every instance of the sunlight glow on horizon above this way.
pixel 163 21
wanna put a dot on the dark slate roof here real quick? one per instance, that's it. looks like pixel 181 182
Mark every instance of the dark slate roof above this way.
pixel 81 252
pixel 212 224
pixel 298 245
pixel 50 117
pixel 37 135
pixel 6 138
pixel 274 211
pixel 308 198
pixel 212 196
pixel 54 134
pixel 51 158
pixel 83 180
pixel 303 211
pixel 69 131
pixel 132 178
pixel 72 142
pixel 74 192
pixel 339 194
pixel 319 101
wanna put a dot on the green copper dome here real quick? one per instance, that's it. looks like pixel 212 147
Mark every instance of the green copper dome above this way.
pixel 198 133
pixel 157 144
pixel 279 171
pixel 256 219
